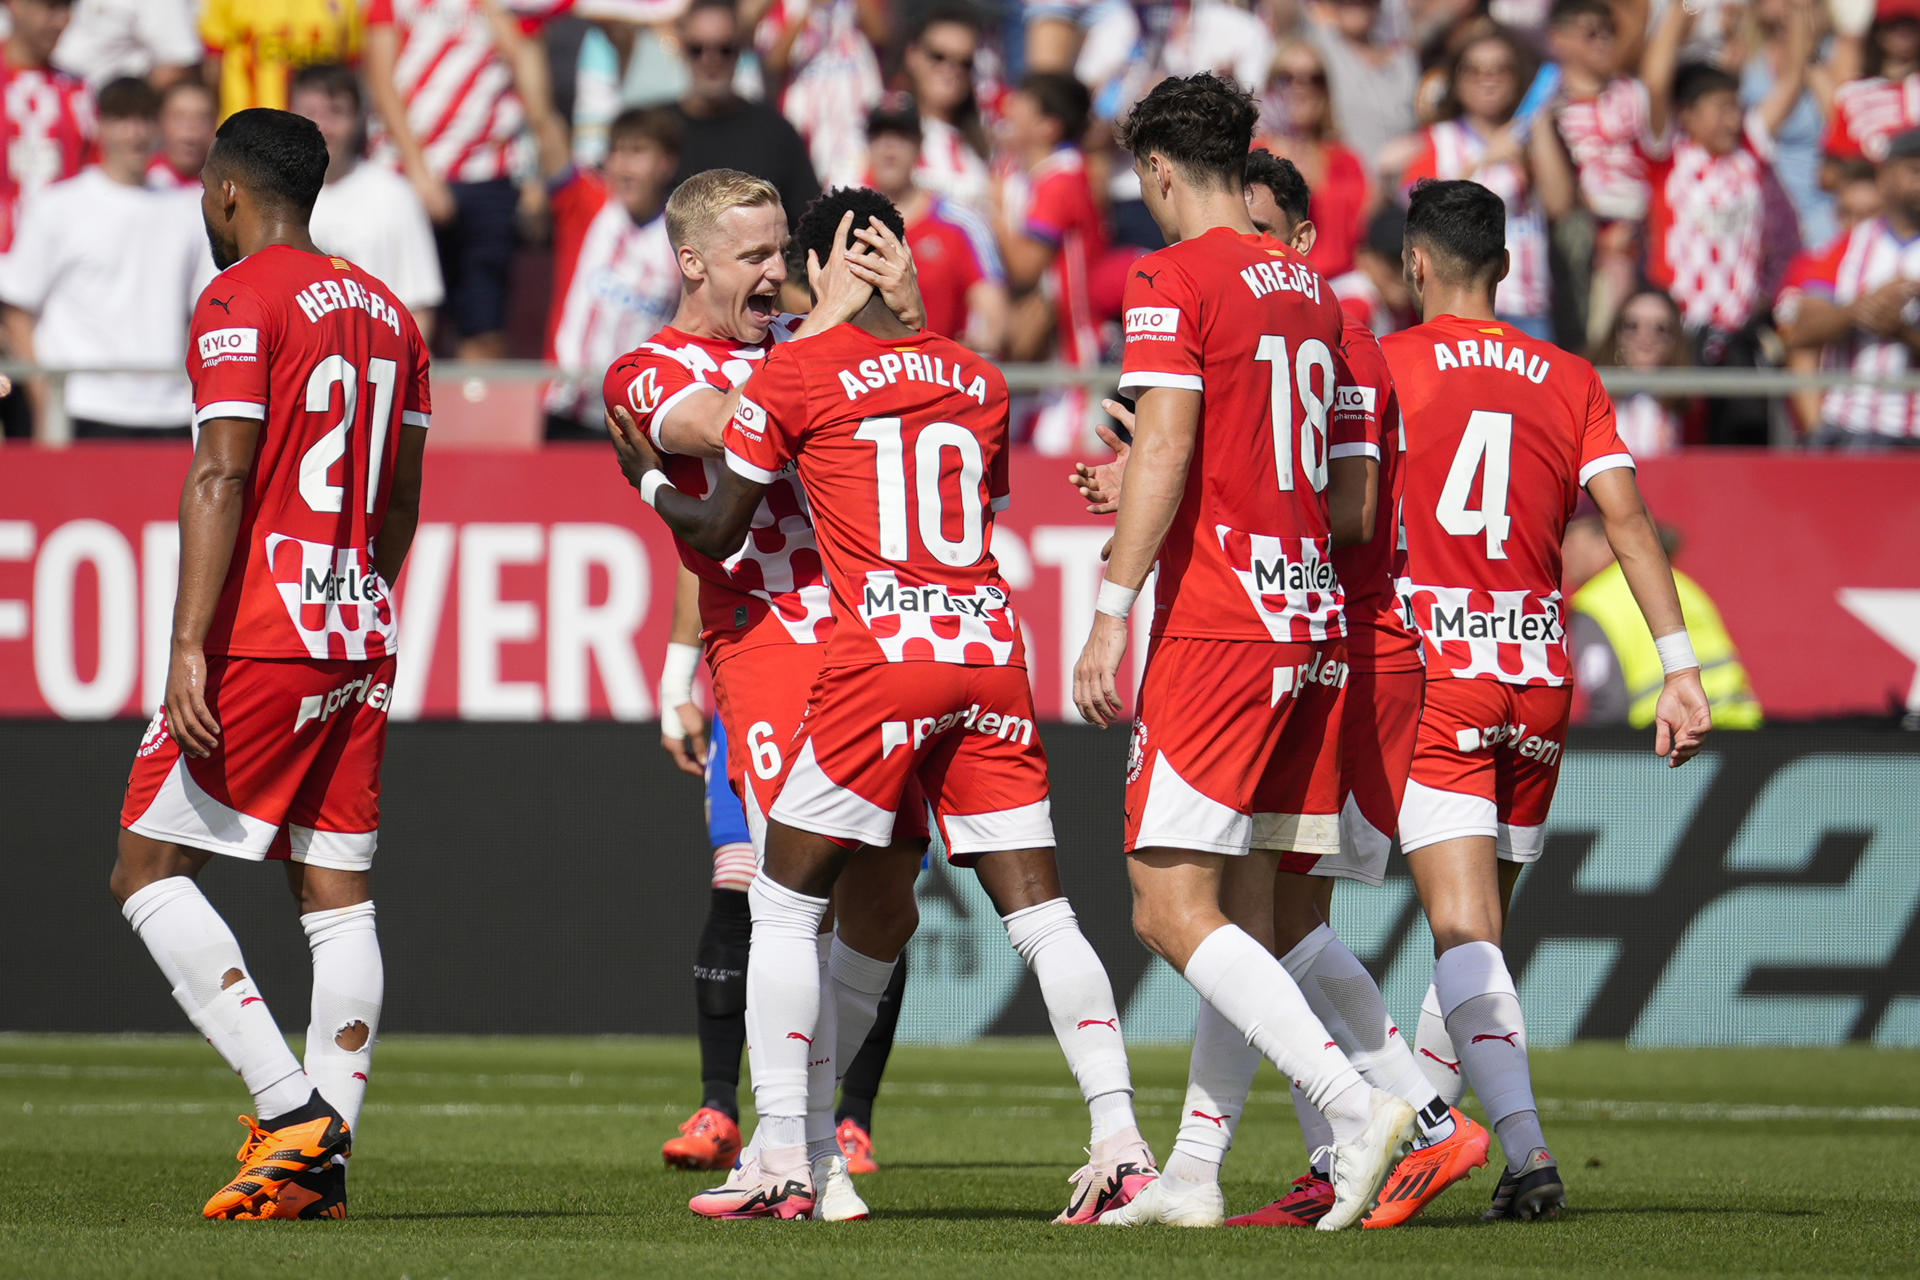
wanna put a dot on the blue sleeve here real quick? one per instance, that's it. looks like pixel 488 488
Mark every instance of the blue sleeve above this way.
pixel 726 819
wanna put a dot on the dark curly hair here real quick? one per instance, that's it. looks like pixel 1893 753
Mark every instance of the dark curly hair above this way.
pixel 1278 175
pixel 1203 123
pixel 822 219
pixel 277 155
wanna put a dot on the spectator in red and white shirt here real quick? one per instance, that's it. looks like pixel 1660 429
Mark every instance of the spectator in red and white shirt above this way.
pixel 1870 109
pixel 1050 234
pixel 1646 335
pixel 962 284
pixel 1304 133
pixel 188 112
pixel 454 82
pixel 819 60
pixel 1708 167
pixel 47 129
pixel 1602 116
pixel 1858 303
pixel 1480 140
pixel 616 278
pixel 942 62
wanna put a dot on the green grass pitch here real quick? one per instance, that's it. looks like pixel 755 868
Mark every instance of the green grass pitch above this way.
pixel 540 1158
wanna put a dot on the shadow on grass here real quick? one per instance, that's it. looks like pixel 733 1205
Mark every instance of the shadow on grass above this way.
pixel 455 1214
pixel 1625 1211
pixel 947 1213
pixel 975 1164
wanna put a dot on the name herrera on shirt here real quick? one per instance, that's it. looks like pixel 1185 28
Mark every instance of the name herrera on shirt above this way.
pixel 322 296
pixel 887 369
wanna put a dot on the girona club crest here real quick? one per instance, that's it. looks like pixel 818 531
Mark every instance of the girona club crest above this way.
pixel 156 734
pixel 643 393
pixel 1137 751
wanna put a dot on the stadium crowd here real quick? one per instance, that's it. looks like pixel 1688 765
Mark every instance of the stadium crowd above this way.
pixel 1688 182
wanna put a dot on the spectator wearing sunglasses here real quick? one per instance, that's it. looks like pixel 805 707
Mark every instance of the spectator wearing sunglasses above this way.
pixel 942 62
pixel 722 130
pixel 1647 335
pixel 1302 129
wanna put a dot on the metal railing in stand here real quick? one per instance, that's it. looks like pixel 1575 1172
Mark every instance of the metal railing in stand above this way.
pixel 56 425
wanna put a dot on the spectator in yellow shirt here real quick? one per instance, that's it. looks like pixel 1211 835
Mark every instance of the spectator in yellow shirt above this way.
pixel 258 45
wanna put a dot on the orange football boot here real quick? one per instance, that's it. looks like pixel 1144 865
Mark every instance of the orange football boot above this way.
pixel 1424 1173
pixel 856 1144
pixel 708 1140
pixel 315 1193
pixel 271 1158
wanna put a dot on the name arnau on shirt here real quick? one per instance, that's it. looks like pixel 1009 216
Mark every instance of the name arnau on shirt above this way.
pixel 888 368
pixel 1490 353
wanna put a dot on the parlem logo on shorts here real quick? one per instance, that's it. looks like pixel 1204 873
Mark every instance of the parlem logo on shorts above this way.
pixel 1007 728
pixel 1531 746
pixel 320 707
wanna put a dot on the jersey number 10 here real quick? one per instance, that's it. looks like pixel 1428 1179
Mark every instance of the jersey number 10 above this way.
pixel 890 475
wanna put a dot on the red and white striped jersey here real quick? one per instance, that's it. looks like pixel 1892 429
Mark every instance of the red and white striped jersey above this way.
pixel 774 589
pixel 949 166
pixel 619 287
pixel 46 134
pixel 1706 232
pixel 1054 204
pixel 833 81
pixel 1454 151
pixel 461 103
pixel 1363 302
pixel 1854 265
pixel 1868 112
pixel 1503 431
pixel 1602 134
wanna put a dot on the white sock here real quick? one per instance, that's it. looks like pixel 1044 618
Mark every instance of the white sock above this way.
pixel 1240 978
pixel 1219 1078
pixel 1341 991
pixel 1434 1054
pixel 1315 1132
pixel 821 1071
pixel 1186 1171
pixel 1079 999
pixel 195 951
pixel 859 981
pixel 1483 1018
pixel 783 1007
pixel 349 983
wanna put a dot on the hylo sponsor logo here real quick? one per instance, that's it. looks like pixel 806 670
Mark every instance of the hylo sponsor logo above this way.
pixel 229 342
pixel 1148 322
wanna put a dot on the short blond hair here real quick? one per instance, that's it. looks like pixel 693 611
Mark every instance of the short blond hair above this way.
pixel 694 208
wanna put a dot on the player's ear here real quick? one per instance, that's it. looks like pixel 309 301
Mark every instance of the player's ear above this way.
pixel 690 264
pixel 1304 235
pixel 1506 265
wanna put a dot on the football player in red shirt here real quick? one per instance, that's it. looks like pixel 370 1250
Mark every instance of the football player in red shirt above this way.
pixel 1503 432
pixel 310 410
pixel 764 618
pixel 1233 348
pixel 1379 716
pixel 900 438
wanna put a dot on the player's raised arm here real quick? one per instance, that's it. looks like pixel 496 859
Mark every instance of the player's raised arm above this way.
pixel 1681 718
pixel 715 526
pixel 210 507
pixel 1166 423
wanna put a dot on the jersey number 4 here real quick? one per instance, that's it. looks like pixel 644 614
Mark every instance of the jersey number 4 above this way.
pixel 1488 443
pixel 316 466
pixel 1287 378
pixel 890 475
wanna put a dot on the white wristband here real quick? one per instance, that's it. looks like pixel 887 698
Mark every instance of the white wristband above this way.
pixel 650 486
pixel 676 685
pixel 1114 600
pixel 1676 652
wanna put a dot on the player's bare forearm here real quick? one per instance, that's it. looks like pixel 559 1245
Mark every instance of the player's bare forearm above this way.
pixel 1636 544
pixel 686 609
pixel 395 539
pixel 697 427
pixel 210 505
pixel 714 526
pixel 1166 423
pixel 1353 489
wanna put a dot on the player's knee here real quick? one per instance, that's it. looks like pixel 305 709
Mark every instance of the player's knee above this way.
pixel 1460 928
pixel 1155 927
pixel 135 866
